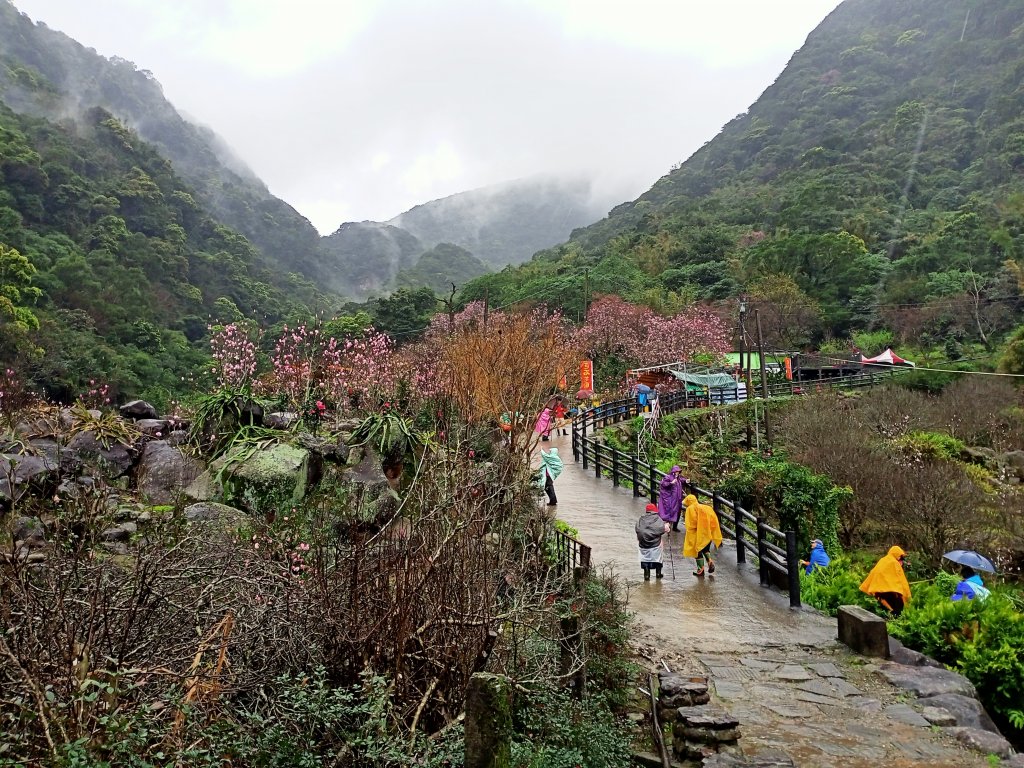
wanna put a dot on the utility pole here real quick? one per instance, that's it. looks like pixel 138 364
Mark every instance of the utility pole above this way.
pixel 450 301
pixel 764 380
pixel 586 292
pixel 745 368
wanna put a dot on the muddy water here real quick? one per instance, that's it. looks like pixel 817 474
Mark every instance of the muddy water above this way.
pixel 728 611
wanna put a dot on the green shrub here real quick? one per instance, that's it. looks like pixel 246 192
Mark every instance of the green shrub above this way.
pixel 873 342
pixel 839 584
pixel 932 445
pixel 610 668
pixel 935 625
pixel 300 720
pixel 932 382
pixel 555 730
pixel 800 499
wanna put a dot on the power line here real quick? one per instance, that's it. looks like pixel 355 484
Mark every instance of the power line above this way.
pixel 889 366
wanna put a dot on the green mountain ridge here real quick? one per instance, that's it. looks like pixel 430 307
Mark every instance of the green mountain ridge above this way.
pixel 440 267
pixel 111 269
pixel 497 225
pixel 48 74
pixel 505 223
pixel 884 168
pixel 362 258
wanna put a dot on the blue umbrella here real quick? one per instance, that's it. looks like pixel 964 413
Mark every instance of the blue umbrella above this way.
pixel 642 389
pixel 971 559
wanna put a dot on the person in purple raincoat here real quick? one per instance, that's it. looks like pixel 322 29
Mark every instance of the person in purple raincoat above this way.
pixel 670 498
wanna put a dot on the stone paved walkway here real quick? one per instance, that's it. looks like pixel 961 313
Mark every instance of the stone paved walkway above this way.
pixel 782 672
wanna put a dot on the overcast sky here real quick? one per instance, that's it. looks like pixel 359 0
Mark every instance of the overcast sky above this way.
pixel 360 109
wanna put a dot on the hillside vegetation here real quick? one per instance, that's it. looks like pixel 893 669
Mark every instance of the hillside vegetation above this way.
pixel 46 73
pixel 111 269
pixel 456 238
pixel 879 182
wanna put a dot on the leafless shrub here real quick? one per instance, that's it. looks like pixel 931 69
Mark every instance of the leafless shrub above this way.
pixel 925 503
pixel 894 412
pixel 203 616
pixel 929 506
pixel 979 411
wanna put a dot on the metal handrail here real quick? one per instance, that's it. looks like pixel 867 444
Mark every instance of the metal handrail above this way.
pixel 571 555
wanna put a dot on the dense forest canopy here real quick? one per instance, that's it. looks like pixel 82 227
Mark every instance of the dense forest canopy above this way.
pixel 110 266
pixel 883 173
pixel 45 73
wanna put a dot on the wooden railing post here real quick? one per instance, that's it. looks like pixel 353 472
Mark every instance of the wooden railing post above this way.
pixel 489 728
pixel 615 468
pixel 585 558
pixel 741 552
pixel 762 554
pixel 597 458
pixel 652 484
pixel 634 467
pixel 793 569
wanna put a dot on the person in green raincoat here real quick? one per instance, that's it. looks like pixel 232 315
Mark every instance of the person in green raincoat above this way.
pixel 550 468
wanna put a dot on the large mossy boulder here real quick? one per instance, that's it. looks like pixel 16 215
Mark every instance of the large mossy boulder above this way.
pixel 373 496
pixel 213 514
pixel 264 479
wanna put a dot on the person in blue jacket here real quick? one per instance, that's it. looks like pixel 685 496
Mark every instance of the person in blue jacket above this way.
pixel 818 557
pixel 970 586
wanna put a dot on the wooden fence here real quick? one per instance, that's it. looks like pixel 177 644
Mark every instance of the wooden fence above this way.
pixel 775 550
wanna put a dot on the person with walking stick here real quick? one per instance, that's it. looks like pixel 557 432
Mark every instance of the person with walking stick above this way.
pixel 649 530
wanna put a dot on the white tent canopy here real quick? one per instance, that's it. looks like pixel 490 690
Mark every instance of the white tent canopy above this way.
pixel 886 358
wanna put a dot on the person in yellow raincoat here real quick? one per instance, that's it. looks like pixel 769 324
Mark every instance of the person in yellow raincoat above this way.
pixel 702 530
pixel 887 583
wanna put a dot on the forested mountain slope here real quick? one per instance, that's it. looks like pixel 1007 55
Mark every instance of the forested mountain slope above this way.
pixel 46 73
pixel 490 228
pixel 361 258
pixel 505 223
pixel 110 268
pixel 882 171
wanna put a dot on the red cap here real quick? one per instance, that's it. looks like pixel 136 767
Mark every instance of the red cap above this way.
pixel 652 507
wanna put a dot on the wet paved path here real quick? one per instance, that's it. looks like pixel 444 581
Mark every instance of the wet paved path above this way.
pixel 782 672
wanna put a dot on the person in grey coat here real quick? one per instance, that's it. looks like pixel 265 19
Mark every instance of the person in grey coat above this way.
pixel 649 530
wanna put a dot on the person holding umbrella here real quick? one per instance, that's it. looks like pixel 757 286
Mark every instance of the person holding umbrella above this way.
pixel 971 586
pixel 887 582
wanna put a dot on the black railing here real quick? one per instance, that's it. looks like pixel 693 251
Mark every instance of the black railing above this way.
pixel 775 550
pixel 570 555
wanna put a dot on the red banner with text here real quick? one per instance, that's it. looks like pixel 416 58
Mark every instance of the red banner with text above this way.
pixel 587 374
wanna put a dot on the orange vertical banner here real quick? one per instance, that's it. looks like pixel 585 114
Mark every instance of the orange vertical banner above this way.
pixel 587 374
pixel 789 369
